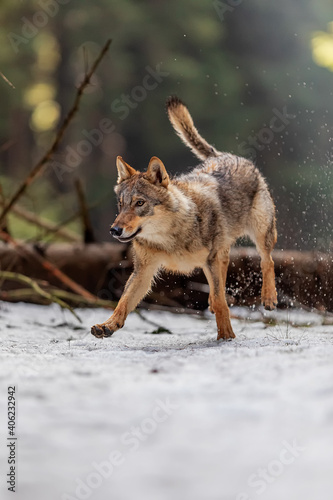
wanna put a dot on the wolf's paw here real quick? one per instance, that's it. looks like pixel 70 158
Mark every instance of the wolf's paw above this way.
pixel 225 333
pixel 269 305
pixel 107 328
pixel 269 300
pixel 101 331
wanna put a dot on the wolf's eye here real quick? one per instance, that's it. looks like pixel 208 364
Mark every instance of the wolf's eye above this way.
pixel 139 203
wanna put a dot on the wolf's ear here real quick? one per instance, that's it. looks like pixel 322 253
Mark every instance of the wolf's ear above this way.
pixel 156 173
pixel 124 170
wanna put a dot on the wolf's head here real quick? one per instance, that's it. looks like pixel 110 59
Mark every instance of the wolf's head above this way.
pixel 143 200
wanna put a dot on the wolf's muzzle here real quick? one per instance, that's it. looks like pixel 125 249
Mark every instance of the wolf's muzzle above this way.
pixel 116 231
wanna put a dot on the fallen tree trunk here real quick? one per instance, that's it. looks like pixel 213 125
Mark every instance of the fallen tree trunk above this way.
pixel 302 277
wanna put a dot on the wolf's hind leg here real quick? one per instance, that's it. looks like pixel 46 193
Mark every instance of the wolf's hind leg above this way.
pixel 263 232
pixel 265 239
pixel 216 273
pixel 268 290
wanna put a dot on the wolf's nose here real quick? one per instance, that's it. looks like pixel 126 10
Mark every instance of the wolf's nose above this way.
pixel 116 231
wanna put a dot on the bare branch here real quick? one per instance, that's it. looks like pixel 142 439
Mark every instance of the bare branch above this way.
pixel 47 225
pixel 5 221
pixel 6 80
pixel 88 232
pixel 54 270
pixel 6 275
pixel 37 169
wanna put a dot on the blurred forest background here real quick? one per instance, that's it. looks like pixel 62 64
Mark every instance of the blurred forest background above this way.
pixel 257 77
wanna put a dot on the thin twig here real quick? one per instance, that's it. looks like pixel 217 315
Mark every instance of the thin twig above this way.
pixel 47 225
pixel 54 270
pixel 6 80
pixel 78 300
pixel 88 232
pixel 7 145
pixel 7 275
pixel 5 221
pixel 176 310
pixel 76 215
pixel 60 226
pixel 37 169
pixel 158 326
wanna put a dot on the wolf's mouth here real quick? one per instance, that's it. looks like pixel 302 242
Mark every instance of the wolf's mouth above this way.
pixel 124 239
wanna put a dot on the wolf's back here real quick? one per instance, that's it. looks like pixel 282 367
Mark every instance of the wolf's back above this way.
pixel 182 122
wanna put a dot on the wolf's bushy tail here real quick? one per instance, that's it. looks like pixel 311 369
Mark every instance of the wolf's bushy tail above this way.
pixel 182 122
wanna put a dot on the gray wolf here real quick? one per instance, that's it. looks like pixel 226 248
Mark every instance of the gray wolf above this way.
pixel 190 221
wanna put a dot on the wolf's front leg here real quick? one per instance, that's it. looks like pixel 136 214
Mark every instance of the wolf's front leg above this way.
pixel 137 286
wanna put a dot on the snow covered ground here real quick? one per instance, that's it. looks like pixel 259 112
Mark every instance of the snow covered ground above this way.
pixel 166 416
